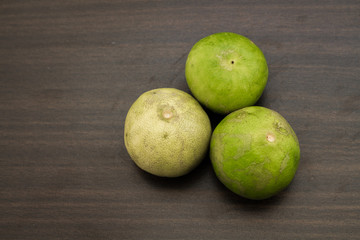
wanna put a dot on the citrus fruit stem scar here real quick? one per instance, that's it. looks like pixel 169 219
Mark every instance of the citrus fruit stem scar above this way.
pixel 167 114
pixel 270 137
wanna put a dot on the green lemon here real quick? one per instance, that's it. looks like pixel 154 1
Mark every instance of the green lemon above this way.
pixel 254 152
pixel 226 71
pixel 167 133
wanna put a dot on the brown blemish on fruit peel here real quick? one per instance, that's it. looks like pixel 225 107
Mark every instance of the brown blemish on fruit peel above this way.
pixel 270 137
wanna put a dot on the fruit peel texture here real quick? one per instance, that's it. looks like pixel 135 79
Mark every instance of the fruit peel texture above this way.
pixel 226 72
pixel 167 133
pixel 244 159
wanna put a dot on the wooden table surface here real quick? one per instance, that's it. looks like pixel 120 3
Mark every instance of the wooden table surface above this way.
pixel 70 70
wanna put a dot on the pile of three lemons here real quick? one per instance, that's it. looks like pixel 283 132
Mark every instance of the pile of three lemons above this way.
pixel 253 150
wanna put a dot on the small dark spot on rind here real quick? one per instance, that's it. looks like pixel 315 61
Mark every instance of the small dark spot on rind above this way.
pixel 165 136
pixel 232 62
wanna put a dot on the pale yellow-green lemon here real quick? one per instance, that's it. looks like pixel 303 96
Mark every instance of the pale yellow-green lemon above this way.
pixel 226 71
pixel 254 152
pixel 167 133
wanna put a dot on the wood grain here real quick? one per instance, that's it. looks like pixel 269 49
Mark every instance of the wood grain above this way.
pixel 70 70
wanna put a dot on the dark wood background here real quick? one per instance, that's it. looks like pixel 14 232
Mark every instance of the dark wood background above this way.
pixel 70 70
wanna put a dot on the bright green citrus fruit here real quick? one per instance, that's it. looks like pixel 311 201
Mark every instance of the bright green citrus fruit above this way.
pixel 254 152
pixel 226 71
pixel 167 133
